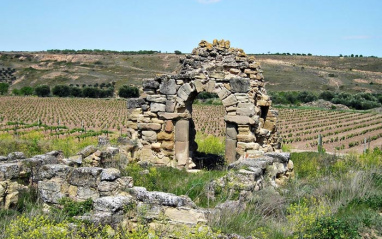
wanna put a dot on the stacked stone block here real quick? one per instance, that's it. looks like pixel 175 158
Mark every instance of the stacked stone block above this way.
pixel 160 119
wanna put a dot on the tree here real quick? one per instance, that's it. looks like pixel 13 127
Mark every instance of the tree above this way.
pixel 26 90
pixel 177 52
pixel 61 90
pixel 4 88
pixel 42 90
pixel 128 91
pixel 91 92
pixel 75 92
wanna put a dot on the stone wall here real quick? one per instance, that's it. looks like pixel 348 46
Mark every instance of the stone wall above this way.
pixel 160 121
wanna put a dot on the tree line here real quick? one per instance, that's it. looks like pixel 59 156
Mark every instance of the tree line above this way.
pixel 72 91
pixel 359 101
pixel 99 51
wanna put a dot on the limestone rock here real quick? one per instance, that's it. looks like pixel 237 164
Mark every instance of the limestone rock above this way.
pixel 89 176
pixel 161 198
pixel 168 87
pixel 110 174
pixel 239 85
pixel 87 151
pixel 112 203
pixel 16 155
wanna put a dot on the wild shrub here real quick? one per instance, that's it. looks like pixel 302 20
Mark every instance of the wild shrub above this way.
pixel 210 144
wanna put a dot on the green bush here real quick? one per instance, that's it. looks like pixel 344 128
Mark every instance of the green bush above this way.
pixel 4 88
pixel 331 227
pixel 72 208
pixel 128 92
pixel 42 90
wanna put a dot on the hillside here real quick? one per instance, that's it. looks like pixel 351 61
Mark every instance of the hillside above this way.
pixel 313 73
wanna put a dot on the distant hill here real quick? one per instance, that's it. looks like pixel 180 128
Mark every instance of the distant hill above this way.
pixel 282 73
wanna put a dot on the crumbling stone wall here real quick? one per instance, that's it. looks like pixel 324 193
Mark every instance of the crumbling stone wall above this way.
pixel 160 121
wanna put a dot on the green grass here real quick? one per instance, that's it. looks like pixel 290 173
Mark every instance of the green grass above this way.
pixel 178 182
pixel 33 143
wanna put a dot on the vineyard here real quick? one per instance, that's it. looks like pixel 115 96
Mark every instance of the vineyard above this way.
pixel 59 118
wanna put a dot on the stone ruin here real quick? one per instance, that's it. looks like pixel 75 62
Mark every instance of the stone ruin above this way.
pixel 161 132
pixel 160 121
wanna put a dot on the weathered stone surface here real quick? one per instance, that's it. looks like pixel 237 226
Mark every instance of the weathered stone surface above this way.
pixel 167 116
pixel 211 86
pixel 169 145
pixel 150 84
pixel 170 106
pixel 279 157
pixel 185 216
pixel 85 176
pixel 53 170
pixel 110 174
pixel 149 126
pixel 231 131
pixel 185 91
pixel 86 192
pixel 133 103
pixel 239 85
pixel 223 93
pixel 16 155
pixel 239 119
pixel 157 107
pixel 156 98
pixel 87 151
pixel 230 150
pixel 107 188
pixel 161 198
pixel 198 85
pixel 150 136
pixel 112 204
pixel 182 130
pixel 182 153
pixel 247 109
pixel 165 136
pixel 3 158
pixel 169 126
pixel 168 87
pixel 73 160
pixel 230 100
pixel 9 171
pixel 50 191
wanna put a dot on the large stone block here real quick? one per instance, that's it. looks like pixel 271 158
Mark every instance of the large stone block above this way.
pixel 230 150
pixel 231 131
pixel 157 107
pixel 170 105
pixel 239 119
pixel 156 98
pixel 150 84
pixel 168 87
pixel 165 136
pixel 185 91
pixel 211 86
pixel 133 103
pixel 150 136
pixel 85 176
pixel 112 204
pixel 167 116
pixel 182 130
pixel 247 109
pixel 149 126
pixel 239 85
pixel 182 153
pixel 223 93
pixel 230 100
pixel 198 85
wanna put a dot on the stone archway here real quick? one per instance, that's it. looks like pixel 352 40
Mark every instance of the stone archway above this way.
pixel 159 121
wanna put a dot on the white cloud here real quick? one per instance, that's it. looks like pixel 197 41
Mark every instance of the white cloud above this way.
pixel 208 1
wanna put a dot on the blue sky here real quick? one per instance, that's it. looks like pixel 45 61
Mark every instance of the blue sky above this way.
pixel 324 27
